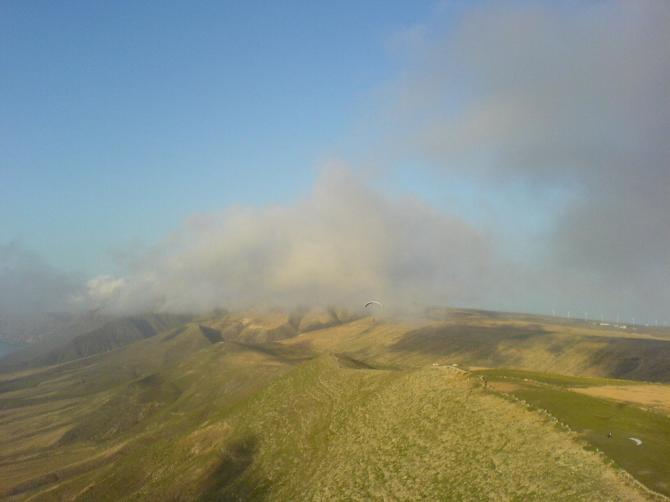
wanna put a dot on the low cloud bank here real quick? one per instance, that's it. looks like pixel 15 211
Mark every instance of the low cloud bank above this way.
pixel 569 97
pixel 343 244
pixel 558 98
pixel 29 285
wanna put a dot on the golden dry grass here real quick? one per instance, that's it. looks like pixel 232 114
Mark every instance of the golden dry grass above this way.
pixel 654 396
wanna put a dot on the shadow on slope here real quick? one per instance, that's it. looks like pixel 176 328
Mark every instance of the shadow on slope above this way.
pixel 346 361
pixel 287 354
pixel 634 359
pixel 534 346
pixel 478 343
pixel 213 335
pixel 232 478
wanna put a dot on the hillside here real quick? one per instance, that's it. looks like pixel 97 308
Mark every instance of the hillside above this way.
pixel 37 334
pixel 30 329
pixel 70 346
pixel 312 406
pixel 474 338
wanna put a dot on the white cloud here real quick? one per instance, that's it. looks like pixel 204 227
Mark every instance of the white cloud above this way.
pixel 103 289
pixel 29 285
pixel 341 245
pixel 574 97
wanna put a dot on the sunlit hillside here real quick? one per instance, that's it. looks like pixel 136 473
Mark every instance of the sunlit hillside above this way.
pixel 325 405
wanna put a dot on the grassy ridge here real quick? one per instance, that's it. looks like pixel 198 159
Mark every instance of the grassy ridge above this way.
pixel 245 406
pixel 325 430
pixel 500 341
pixel 593 418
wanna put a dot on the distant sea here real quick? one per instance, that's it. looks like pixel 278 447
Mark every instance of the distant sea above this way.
pixel 6 348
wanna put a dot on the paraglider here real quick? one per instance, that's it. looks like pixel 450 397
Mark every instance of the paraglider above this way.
pixel 371 307
pixel 636 441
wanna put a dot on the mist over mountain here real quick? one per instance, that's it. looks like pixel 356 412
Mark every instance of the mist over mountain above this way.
pixel 347 251
pixel 29 285
pixel 341 245
pixel 567 102
pixel 562 107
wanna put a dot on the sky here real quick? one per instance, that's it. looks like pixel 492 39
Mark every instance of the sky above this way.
pixel 121 120
pixel 187 156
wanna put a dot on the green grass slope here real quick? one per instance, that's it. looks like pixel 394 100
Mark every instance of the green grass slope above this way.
pixel 245 406
pixel 359 434
pixel 77 419
pixel 319 430
pixel 593 418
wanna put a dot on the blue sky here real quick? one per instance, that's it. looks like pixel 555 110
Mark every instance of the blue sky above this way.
pixel 541 127
pixel 120 119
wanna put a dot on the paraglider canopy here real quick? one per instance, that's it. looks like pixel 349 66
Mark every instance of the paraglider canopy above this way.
pixel 373 302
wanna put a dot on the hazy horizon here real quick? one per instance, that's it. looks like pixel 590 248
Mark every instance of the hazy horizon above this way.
pixel 476 154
